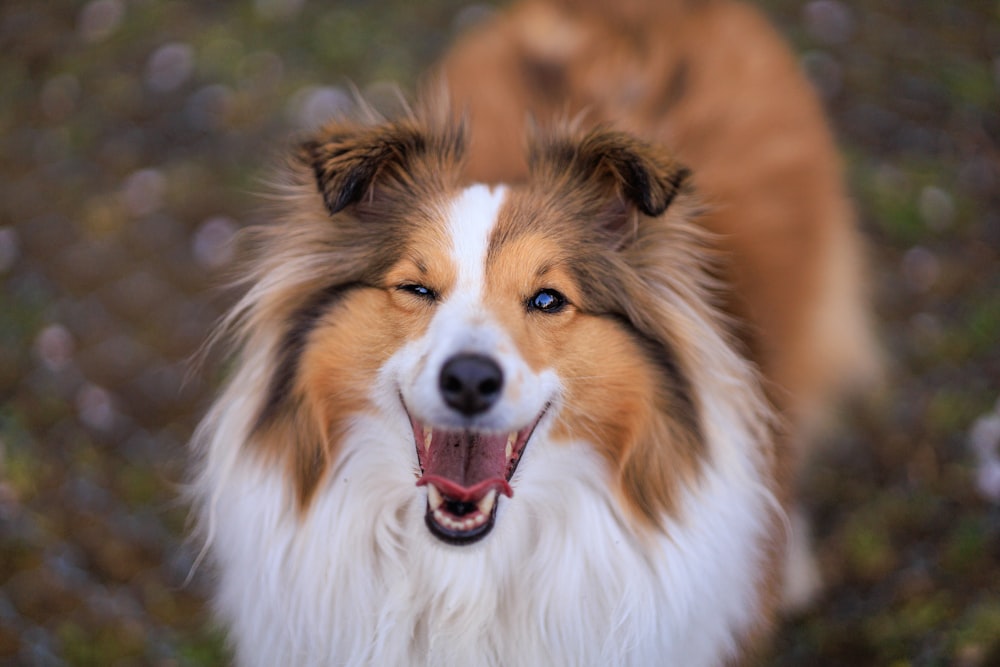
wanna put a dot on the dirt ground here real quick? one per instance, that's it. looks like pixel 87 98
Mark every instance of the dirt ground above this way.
pixel 133 134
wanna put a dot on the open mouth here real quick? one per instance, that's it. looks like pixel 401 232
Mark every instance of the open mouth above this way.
pixel 465 472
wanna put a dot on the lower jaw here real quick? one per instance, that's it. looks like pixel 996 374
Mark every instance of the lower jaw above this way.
pixel 459 537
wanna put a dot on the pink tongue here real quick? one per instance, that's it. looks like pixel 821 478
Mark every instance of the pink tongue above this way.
pixel 465 465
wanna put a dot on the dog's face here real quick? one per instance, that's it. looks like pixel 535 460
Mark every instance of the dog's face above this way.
pixel 487 318
pixel 478 379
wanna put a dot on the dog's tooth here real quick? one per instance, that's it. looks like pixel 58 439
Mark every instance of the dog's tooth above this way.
pixel 428 436
pixel 485 505
pixel 434 498
pixel 509 449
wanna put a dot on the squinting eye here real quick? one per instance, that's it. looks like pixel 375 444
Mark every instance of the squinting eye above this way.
pixel 419 290
pixel 547 301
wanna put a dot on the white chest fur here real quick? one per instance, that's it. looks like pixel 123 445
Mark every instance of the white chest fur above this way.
pixel 562 580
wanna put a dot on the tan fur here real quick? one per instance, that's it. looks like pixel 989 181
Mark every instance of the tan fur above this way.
pixel 654 455
pixel 600 209
pixel 607 373
pixel 711 81
pixel 397 174
pixel 382 242
pixel 680 187
pixel 343 355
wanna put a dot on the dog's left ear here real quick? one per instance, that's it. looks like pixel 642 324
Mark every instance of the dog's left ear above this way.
pixel 642 175
pixel 347 158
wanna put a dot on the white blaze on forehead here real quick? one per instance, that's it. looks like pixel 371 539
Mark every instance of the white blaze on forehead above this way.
pixel 471 219
pixel 463 324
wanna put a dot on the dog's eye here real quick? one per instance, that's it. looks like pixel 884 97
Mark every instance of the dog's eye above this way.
pixel 547 301
pixel 419 290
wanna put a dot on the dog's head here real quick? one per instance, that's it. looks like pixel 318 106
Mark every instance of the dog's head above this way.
pixel 483 317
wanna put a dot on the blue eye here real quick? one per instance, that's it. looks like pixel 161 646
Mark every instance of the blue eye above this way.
pixel 419 290
pixel 547 301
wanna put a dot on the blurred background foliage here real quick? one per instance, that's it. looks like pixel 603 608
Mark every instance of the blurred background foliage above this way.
pixel 133 134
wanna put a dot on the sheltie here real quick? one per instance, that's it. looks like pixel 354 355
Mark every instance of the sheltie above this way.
pixel 514 392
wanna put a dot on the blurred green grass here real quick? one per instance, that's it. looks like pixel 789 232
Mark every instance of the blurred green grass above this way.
pixel 132 136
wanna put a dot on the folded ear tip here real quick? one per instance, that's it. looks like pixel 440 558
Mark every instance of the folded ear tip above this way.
pixel 348 158
pixel 644 174
pixel 659 192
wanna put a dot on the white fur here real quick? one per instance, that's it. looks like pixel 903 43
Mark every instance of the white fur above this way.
pixel 471 218
pixel 563 579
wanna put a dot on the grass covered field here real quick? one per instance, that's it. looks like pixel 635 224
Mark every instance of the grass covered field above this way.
pixel 133 136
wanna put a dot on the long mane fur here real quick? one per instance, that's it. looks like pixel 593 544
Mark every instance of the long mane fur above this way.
pixel 350 576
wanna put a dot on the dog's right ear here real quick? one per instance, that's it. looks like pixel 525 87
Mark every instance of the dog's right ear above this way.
pixel 348 160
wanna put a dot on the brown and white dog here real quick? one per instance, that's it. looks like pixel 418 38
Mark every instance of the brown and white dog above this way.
pixel 542 406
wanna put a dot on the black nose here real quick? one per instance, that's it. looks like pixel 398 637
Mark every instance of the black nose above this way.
pixel 470 383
